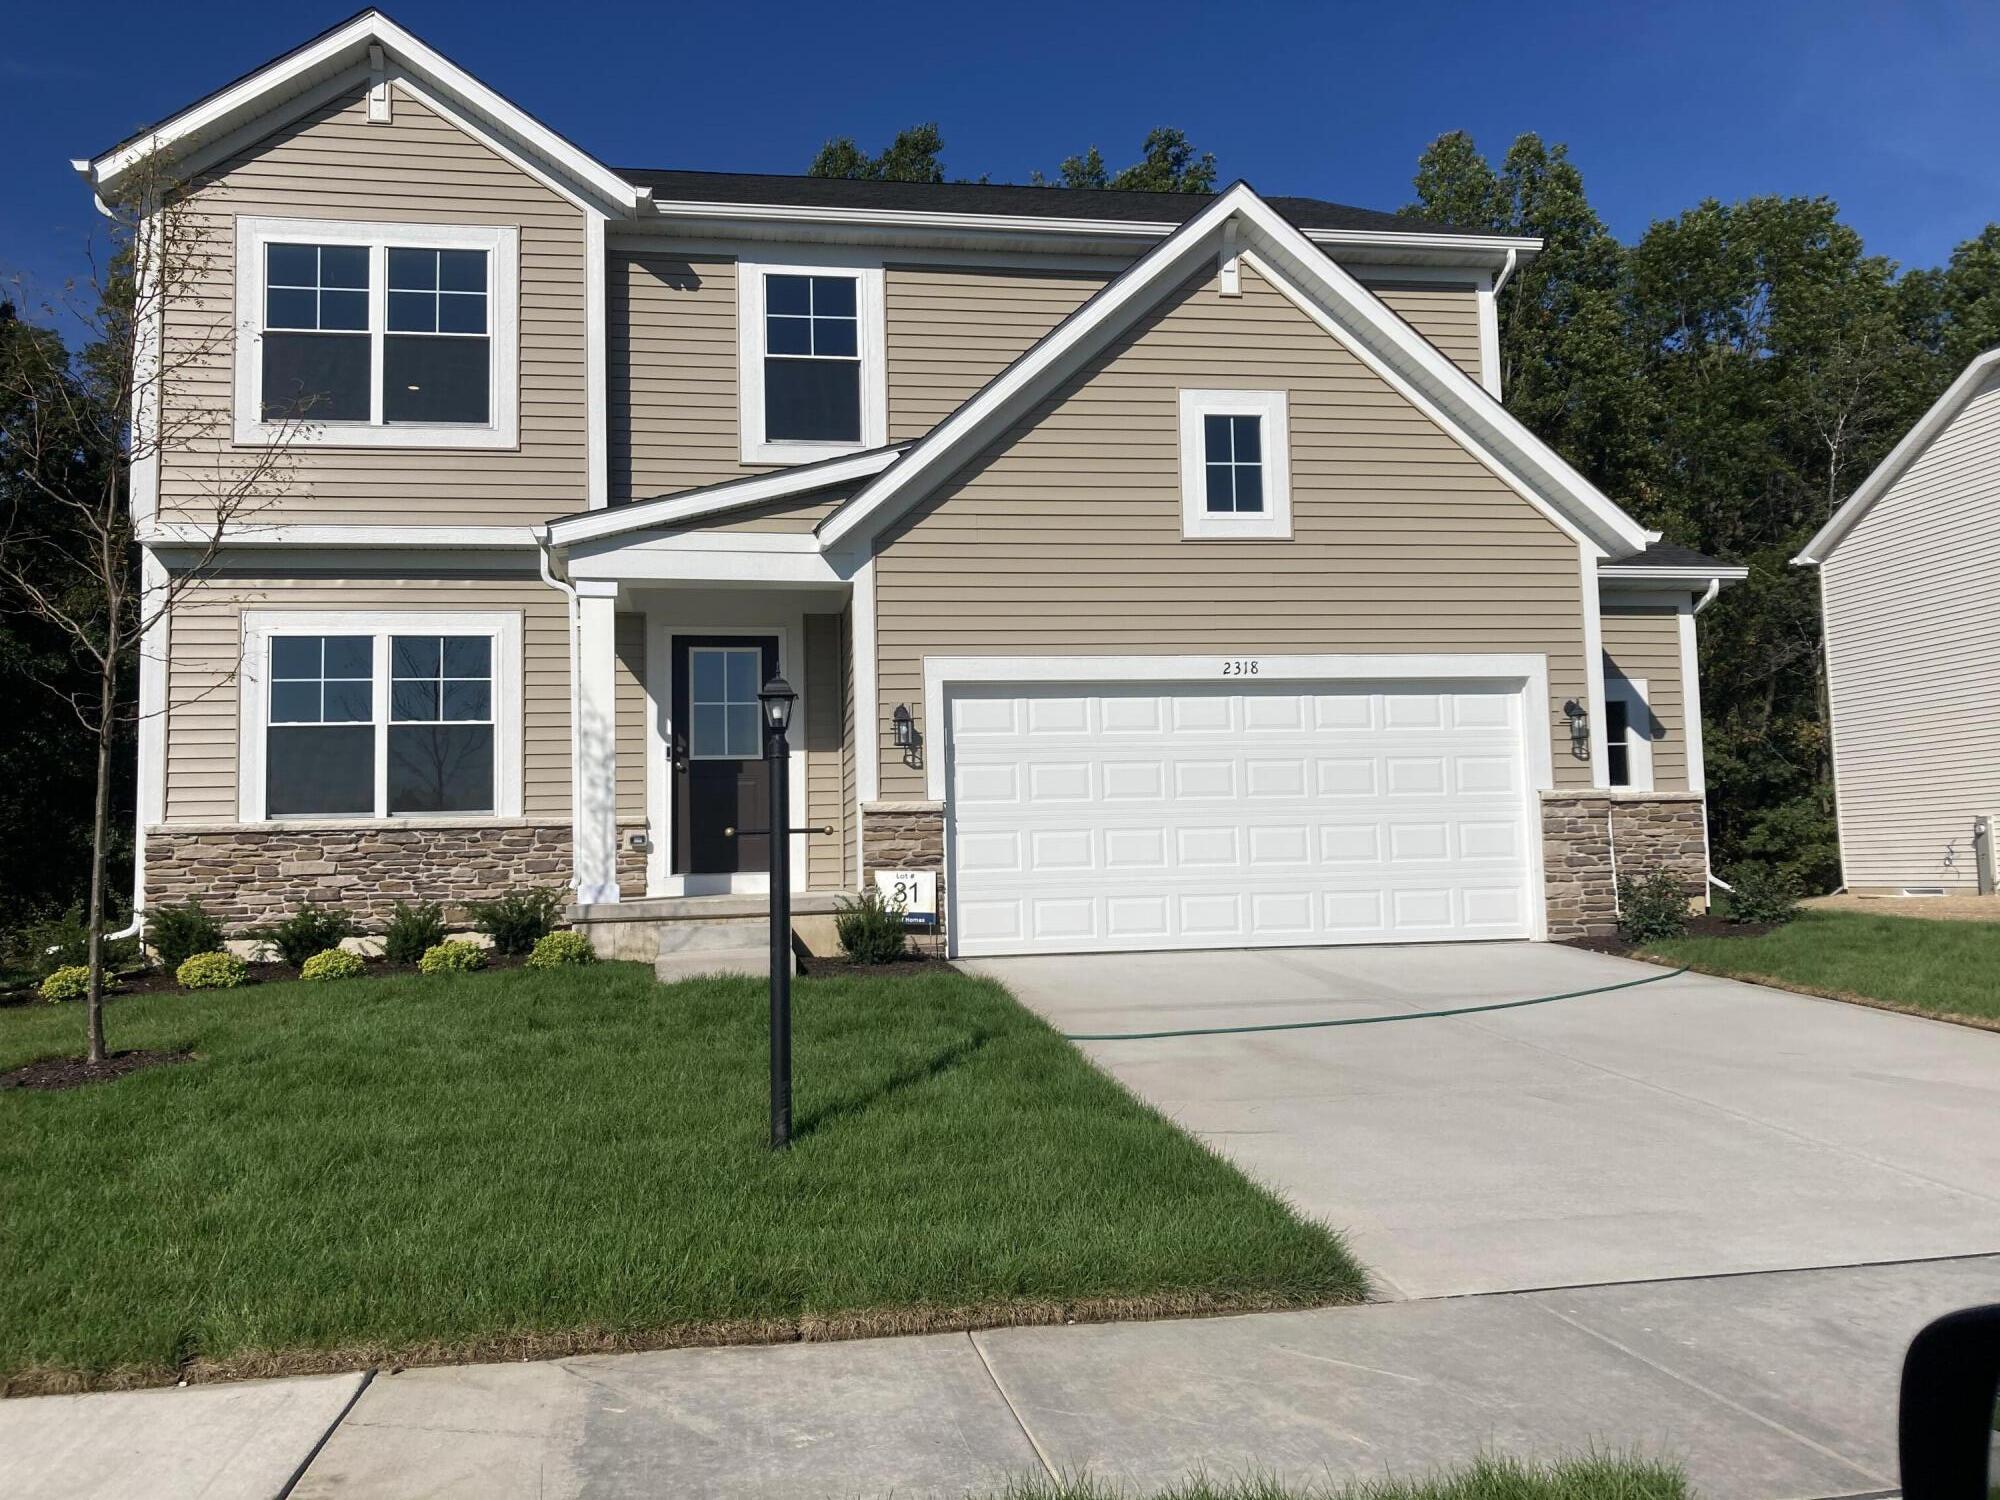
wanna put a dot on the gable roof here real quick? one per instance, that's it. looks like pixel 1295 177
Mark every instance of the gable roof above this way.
pixel 1341 304
pixel 339 58
pixel 1905 453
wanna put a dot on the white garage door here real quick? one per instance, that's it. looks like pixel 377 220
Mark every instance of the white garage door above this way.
pixel 1104 818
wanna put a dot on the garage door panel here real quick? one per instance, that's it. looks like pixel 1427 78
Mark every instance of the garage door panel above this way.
pixel 1099 820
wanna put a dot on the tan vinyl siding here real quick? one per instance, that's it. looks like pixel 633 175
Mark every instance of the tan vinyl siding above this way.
pixel 825 750
pixel 420 168
pixel 629 712
pixel 1645 644
pixel 205 646
pixel 1064 538
pixel 1913 662
pixel 952 329
pixel 1446 313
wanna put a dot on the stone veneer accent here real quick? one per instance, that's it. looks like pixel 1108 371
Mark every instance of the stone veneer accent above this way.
pixel 1652 830
pixel 903 836
pixel 250 874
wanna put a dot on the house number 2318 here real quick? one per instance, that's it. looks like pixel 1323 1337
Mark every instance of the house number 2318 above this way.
pixel 1246 668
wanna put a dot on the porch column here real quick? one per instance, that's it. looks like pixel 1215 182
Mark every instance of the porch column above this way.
pixel 596 812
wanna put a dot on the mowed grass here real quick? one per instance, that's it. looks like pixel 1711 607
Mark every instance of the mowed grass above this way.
pixel 1939 968
pixel 1595 1478
pixel 523 1163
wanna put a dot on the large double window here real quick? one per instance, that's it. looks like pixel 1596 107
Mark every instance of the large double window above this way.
pixel 812 370
pixel 1235 465
pixel 376 335
pixel 380 716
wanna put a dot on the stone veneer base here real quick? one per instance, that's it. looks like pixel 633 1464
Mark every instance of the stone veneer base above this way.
pixel 1587 836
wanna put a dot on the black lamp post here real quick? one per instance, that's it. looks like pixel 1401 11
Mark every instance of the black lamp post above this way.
pixel 777 698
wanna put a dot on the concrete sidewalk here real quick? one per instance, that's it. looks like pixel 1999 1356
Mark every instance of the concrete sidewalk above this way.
pixel 1773 1385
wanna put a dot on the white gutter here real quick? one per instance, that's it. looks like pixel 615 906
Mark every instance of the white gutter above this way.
pixel 568 590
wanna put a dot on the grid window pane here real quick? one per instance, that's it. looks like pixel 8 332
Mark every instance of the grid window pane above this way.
pixel 709 736
pixel 812 346
pixel 413 312
pixel 467 701
pixel 414 270
pixel 292 265
pixel 833 296
pixel 291 307
pixel 414 701
pixel 343 265
pixel 348 702
pixel 468 656
pixel 790 295
pixel 1233 451
pixel 417 655
pixel 462 270
pixel 725 714
pixel 294 702
pixel 346 312
pixel 743 719
pixel 349 655
pixel 1221 488
pixel 439 768
pixel 461 312
pixel 296 655
pixel 788 336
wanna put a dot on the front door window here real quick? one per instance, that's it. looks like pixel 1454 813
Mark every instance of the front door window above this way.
pixel 722 698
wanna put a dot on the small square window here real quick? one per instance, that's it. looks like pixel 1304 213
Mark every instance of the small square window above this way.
pixel 1235 465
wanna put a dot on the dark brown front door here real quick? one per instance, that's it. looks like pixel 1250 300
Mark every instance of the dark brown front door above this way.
pixel 721 780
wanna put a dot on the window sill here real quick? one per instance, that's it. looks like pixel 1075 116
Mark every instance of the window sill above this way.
pixel 368 824
pixel 760 452
pixel 1263 529
pixel 401 436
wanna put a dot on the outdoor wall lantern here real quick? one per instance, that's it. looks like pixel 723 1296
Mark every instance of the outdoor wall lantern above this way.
pixel 1579 729
pixel 906 729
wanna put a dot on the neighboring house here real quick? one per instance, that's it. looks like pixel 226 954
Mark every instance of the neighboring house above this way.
pixel 1910 590
pixel 1161 570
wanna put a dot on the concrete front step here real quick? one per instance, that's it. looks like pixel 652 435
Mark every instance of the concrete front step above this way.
pixel 649 928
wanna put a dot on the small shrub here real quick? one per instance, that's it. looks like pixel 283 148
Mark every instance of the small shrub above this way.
pixel 412 930
pixel 870 931
pixel 210 971
pixel 519 919
pixel 453 958
pixel 335 963
pixel 1651 908
pixel 1762 893
pixel 309 930
pixel 63 942
pixel 560 949
pixel 180 932
pixel 70 982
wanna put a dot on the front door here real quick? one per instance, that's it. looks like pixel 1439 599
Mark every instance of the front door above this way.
pixel 721 779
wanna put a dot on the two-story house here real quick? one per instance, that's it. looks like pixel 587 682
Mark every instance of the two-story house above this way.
pixel 1161 570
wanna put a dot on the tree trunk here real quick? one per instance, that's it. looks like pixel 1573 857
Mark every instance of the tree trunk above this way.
pixel 107 687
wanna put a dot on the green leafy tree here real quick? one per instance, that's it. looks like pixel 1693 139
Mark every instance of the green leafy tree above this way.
pixel 913 156
pixel 1168 164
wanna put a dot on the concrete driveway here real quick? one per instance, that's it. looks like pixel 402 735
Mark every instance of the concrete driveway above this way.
pixel 1693 1127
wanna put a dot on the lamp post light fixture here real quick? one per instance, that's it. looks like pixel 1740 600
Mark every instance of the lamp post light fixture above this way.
pixel 776 698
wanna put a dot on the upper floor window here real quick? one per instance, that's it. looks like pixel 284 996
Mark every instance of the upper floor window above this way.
pixel 812 368
pixel 1235 465
pixel 376 335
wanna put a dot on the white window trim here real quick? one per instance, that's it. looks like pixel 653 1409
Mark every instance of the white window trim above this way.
pixel 1633 692
pixel 871 341
pixel 259 625
pixel 503 246
pixel 1274 522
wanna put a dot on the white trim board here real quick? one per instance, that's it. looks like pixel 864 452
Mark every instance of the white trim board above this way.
pixel 714 499
pixel 1370 328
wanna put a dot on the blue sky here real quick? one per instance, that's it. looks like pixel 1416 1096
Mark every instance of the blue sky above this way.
pixel 1889 109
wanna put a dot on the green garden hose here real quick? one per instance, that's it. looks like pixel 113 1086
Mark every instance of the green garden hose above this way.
pixel 1413 1015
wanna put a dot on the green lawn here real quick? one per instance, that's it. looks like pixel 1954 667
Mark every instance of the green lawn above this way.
pixel 533 1163
pixel 1939 968
pixel 1488 1479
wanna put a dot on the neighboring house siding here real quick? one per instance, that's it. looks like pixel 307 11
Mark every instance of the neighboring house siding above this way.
pixel 205 646
pixel 1064 537
pixel 1645 644
pixel 823 741
pixel 1446 313
pixel 419 168
pixel 1912 599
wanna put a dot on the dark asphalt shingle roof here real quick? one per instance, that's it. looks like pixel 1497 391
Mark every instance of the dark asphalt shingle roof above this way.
pixel 1668 555
pixel 995 198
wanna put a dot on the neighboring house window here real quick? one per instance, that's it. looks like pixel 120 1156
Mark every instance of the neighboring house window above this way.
pixel 376 335
pixel 383 716
pixel 812 378
pixel 1628 735
pixel 1235 465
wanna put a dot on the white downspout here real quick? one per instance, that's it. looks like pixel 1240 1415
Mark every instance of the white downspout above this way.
pixel 568 591
pixel 1513 260
pixel 1707 870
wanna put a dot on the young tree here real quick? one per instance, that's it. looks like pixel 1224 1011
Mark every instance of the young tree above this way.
pixel 77 426
pixel 913 156
pixel 1168 164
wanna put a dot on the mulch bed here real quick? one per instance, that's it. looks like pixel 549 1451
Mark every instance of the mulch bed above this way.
pixel 841 966
pixel 161 981
pixel 1707 925
pixel 53 1073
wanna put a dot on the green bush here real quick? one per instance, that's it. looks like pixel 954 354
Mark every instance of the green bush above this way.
pixel 335 963
pixel 309 930
pixel 1651 908
pixel 180 932
pixel 63 942
pixel 70 982
pixel 870 931
pixel 1762 893
pixel 210 971
pixel 412 930
pixel 519 919
pixel 453 958
pixel 559 949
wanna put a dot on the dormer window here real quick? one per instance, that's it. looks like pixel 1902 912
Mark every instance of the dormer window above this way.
pixel 376 335
pixel 812 368
pixel 1235 465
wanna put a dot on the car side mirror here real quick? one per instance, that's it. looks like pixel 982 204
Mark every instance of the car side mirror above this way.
pixel 1945 1435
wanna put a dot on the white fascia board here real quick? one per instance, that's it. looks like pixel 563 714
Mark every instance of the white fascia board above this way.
pixel 672 560
pixel 1900 458
pixel 346 47
pixel 735 494
pixel 250 534
pixel 1363 321
pixel 1633 576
